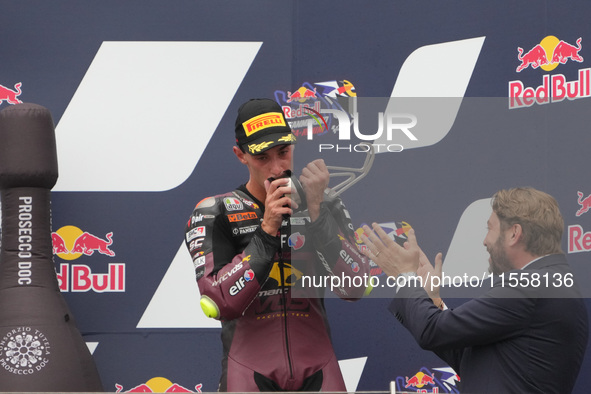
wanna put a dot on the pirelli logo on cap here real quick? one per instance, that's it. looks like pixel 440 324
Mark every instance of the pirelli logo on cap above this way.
pixel 263 121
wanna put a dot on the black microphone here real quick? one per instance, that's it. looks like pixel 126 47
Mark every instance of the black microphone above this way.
pixel 299 197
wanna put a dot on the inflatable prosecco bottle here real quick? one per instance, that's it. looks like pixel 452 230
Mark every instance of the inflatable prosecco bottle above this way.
pixel 41 348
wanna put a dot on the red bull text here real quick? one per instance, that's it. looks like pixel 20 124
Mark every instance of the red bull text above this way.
pixel 554 88
pixel 80 278
pixel 547 55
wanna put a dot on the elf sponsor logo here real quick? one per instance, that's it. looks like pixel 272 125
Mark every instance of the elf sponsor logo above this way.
pixel 71 243
pixel 547 55
pixel 346 257
pixel 241 282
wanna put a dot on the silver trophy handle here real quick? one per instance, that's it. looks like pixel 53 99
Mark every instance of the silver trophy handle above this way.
pixel 354 174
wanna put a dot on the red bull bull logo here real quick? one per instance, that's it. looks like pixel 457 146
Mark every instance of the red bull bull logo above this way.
pixel 536 57
pixel 585 204
pixel 579 240
pixel 420 380
pixel 70 243
pixel 547 55
pixel 10 95
pixel 301 95
pixel 302 108
pixel 159 385
pixel 430 380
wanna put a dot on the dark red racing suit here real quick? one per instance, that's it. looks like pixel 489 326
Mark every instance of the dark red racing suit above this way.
pixel 275 333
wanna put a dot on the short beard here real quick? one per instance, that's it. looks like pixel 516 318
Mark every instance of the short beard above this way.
pixel 499 262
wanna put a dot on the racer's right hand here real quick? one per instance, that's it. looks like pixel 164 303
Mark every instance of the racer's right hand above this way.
pixel 277 204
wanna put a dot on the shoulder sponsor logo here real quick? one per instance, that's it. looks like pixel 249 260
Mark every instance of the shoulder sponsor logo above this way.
pixel 199 262
pixel 251 204
pixel 198 218
pixel 195 232
pixel 246 230
pixel 239 217
pixel 196 244
pixel 298 221
pixel 233 204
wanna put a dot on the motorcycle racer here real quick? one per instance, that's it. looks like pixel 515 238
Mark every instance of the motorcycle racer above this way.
pixel 251 247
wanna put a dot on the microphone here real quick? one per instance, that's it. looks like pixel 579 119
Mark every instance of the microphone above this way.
pixel 299 197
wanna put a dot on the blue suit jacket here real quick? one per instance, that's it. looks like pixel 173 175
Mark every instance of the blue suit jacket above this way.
pixel 512 339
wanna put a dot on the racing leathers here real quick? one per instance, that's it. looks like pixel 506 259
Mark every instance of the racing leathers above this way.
pixel 275 332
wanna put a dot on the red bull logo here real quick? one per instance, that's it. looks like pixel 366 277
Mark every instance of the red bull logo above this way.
pixel 419 380
pixel 302 108
pixel 585 204
pixel 547 55
pixel 158 385
pixel 301 95
pixel 579 240
pixel 536 57
pixel 9 95
pixel 429 380
pixel 70 243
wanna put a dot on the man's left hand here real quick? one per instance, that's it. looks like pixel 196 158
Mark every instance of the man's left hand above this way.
pixel 392 258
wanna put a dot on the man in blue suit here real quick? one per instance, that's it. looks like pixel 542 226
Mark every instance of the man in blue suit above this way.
pixel 525 334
